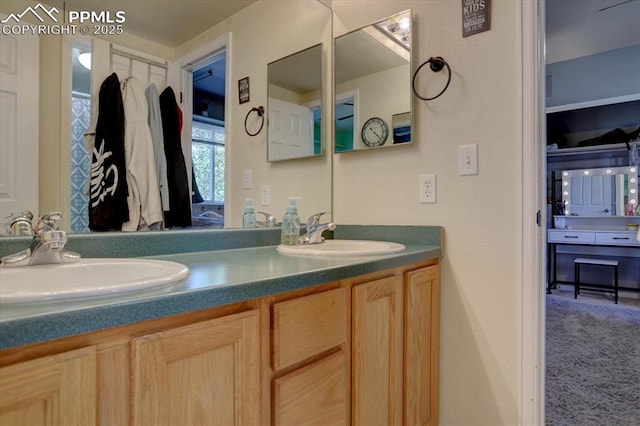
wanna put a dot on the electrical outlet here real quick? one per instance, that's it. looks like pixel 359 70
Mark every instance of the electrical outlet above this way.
pixel 265 195
pixel 247 179
pixel 468 159
pixel 427 185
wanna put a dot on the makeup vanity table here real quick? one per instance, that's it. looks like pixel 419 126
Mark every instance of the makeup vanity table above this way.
pixel 596 223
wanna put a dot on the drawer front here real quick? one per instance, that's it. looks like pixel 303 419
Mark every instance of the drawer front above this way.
pixel 313 395
pixel 576 237
pixel 617 238
pixel 307 326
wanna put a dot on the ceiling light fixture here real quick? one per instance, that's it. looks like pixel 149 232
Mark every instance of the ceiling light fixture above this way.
pixel 85 59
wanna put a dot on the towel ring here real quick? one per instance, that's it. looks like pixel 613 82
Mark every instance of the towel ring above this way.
pixel 260 111
pixel 437 63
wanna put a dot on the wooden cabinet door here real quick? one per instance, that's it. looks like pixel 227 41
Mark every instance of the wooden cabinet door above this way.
pixel 422 313
pixel 55 390
pixel 377 352
pixel 201 374
pixel 313 395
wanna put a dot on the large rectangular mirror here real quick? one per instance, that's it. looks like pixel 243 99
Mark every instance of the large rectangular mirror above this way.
pixel 295 105
pixel 259 37
pixel 372 74
pixel 610 191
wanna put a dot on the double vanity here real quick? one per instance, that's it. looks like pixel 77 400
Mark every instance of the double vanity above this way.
pixel 251 336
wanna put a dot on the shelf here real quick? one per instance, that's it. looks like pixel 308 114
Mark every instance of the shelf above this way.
pixel 596 149
pixel 594 103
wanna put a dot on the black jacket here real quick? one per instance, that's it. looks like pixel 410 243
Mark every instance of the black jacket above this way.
pixel 108 208
pixel 179 214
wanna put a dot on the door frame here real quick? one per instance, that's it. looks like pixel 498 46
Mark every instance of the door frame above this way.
pixel 181 76
pixel 532 359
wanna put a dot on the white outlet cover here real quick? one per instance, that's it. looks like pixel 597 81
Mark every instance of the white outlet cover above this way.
pixel 427 188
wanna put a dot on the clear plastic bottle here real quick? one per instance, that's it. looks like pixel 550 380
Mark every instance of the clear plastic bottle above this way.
pixel 291 224
pixel 249 215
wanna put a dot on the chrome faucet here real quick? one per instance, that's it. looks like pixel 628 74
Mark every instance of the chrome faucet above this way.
pixel 47 246
pixel 270 220
pixel 315 230
pixel 19 223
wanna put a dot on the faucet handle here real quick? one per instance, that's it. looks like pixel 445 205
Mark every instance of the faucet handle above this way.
pixel 270 220
pixel 47 222
pixel 314 220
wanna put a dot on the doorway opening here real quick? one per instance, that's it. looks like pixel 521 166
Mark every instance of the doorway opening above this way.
pixel 208 140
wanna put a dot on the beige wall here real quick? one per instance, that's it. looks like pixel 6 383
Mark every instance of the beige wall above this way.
pixel 480 332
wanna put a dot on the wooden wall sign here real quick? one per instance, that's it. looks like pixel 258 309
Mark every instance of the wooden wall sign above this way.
pixel 476 16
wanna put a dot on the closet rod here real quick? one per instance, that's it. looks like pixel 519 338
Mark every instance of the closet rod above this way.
pixel 139 58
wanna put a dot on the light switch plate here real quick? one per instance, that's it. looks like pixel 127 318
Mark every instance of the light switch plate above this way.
pixel 468 159
pixel 247 179
pixel 265 195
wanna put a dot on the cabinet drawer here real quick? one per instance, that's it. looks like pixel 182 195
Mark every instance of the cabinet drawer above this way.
pixel 315 394
pixel 617 238
pixel 572 237
pixel 308 326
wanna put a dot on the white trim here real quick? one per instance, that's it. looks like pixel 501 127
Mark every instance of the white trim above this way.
pixel 594 103
pixel 186 64
pixel 531 404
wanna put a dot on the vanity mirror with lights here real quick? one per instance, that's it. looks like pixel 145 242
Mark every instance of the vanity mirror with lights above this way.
pixel 372 77
pixel 600 192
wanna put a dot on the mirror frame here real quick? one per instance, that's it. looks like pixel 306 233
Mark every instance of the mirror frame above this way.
pixel 631 171
pixel 338 94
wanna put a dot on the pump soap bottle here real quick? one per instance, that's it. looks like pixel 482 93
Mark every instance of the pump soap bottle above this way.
pixel 249 215
pixel 291 224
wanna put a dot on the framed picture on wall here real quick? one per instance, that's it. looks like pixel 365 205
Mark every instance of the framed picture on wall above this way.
pixel 243 90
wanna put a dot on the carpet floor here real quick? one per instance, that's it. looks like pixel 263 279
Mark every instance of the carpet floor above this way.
pixel 592 364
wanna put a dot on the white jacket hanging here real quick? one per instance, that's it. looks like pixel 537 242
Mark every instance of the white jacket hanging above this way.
pixel 145 207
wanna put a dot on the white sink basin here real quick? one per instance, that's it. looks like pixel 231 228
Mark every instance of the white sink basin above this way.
pixel 86 279
pixel 343 248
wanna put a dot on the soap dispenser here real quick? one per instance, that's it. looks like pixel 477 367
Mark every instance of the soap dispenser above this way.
pixel 249 215
pixel 291 224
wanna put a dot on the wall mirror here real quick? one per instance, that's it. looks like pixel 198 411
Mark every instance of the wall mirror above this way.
pixel 372 75
pixel 295 105
pixel 309 23
pixel 610 191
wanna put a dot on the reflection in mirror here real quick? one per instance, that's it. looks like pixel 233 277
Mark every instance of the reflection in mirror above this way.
pixel 295 106
pixel 372 68
pixel 80 119
pixel 611 191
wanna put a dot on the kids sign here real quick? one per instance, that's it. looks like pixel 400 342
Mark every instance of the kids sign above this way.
pixel 476 16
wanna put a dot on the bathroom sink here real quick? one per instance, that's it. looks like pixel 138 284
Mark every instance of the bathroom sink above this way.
pixel 343 248
pixel 86 278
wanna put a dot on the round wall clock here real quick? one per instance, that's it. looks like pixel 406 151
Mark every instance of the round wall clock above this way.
pixel 375 132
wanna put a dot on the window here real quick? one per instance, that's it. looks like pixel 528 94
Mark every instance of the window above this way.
pixel 207 150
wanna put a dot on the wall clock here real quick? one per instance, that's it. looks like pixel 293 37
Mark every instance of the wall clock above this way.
pixel 375 132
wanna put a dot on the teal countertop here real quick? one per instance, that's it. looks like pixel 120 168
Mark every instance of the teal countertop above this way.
pixel 244 266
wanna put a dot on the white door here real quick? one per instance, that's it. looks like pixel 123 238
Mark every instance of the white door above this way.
pixel 591 195
pixel 19 123
pixel 290 130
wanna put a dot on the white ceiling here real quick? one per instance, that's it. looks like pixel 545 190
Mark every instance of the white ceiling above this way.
pixel 576 28
pixel 167 22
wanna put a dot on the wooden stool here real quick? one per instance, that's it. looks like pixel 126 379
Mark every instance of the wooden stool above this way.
pixel 598 262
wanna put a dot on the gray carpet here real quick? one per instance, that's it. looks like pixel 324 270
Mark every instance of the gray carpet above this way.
pixel 592 364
